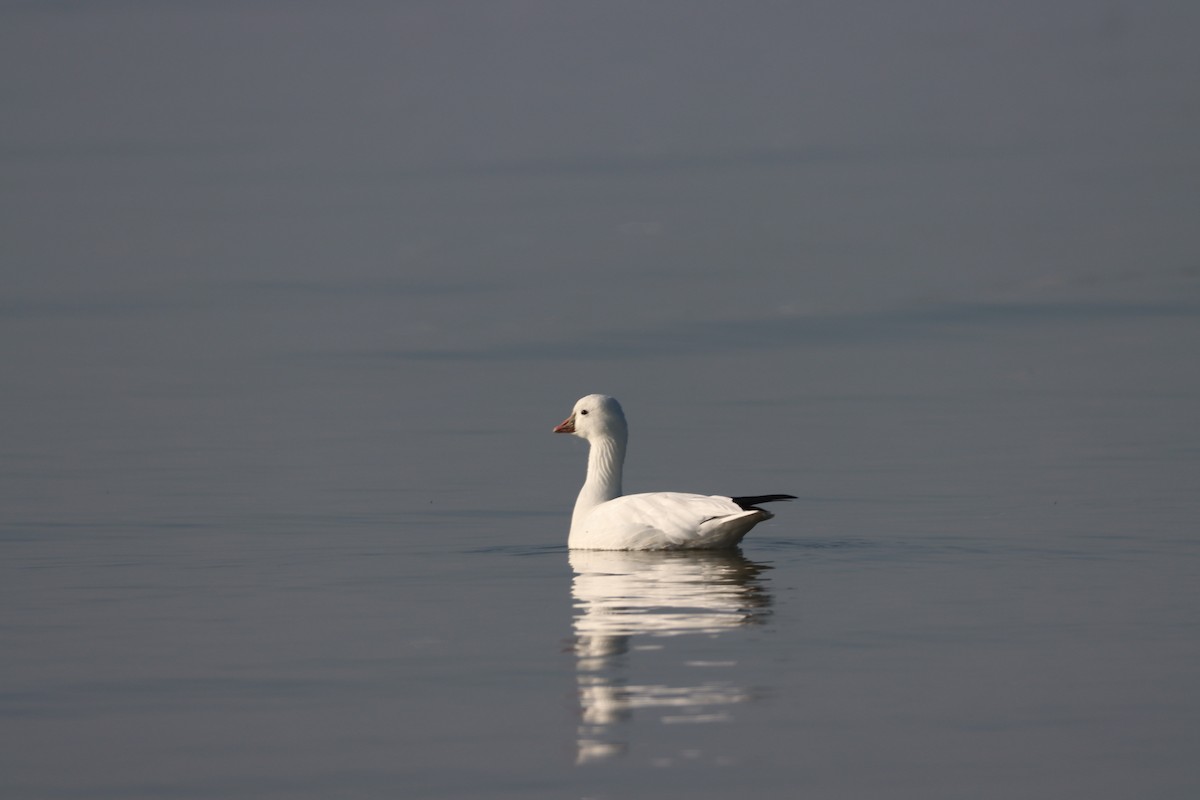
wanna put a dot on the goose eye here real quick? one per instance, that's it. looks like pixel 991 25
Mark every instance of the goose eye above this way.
pixel 584 412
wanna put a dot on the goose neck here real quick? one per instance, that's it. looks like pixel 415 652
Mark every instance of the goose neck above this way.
pixel 606 458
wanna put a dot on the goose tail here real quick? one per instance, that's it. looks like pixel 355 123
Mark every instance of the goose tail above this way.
pixel 750 502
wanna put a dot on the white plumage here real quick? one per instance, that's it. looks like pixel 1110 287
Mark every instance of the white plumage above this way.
pixel 604 519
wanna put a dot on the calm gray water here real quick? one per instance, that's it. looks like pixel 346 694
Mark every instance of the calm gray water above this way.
pixel 291 296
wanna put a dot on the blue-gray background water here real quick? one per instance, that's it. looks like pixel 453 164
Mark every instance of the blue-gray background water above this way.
pixel 291 295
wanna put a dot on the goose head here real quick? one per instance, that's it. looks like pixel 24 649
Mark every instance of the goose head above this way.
pixel 594 417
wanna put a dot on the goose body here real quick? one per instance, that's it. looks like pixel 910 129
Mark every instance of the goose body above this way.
pixel 606 519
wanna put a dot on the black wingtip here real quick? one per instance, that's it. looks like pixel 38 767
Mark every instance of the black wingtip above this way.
pixel 747 503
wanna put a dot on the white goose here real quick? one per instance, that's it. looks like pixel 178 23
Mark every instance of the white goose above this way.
pixel 604 519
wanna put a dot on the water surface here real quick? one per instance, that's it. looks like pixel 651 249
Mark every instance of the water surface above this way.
pixel 291 298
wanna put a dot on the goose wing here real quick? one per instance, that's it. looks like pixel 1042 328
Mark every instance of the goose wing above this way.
pixel 666 521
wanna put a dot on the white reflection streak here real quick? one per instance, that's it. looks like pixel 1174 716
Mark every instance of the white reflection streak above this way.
pixel 620 595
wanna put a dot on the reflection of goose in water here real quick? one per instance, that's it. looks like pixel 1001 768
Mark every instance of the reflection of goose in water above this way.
pixel 620 596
